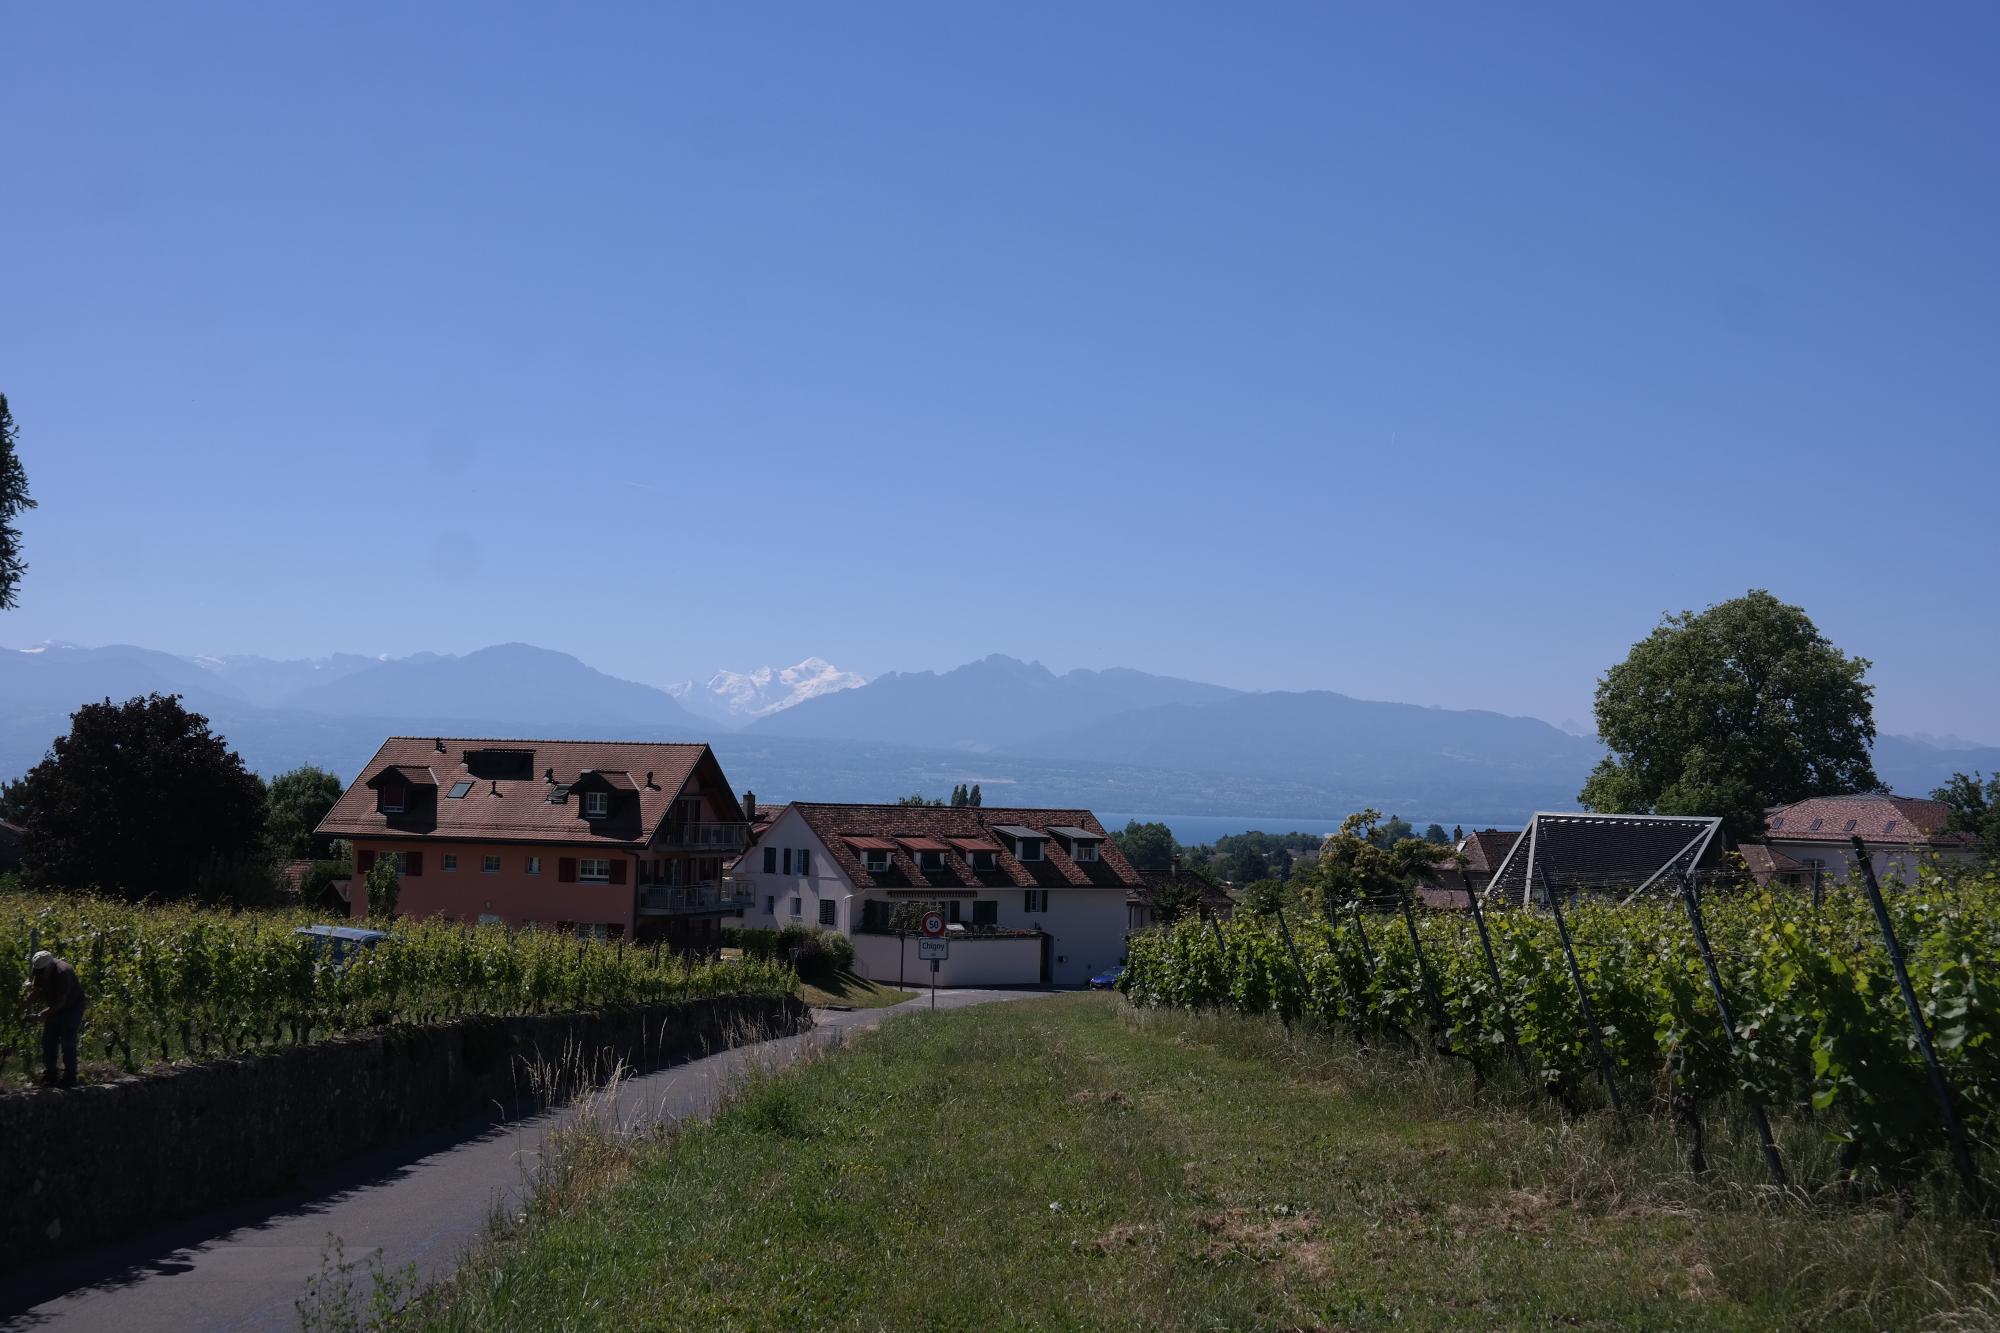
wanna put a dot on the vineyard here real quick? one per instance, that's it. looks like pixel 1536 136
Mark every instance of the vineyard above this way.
pixel 168 983
pixel 1822 1031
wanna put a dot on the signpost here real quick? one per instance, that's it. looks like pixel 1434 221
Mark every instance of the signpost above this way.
pixel 933 948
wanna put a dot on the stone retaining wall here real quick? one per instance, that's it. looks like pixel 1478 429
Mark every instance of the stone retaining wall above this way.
pixel 88 1164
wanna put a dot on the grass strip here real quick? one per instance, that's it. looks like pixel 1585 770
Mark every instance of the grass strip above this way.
pixel 1072 1163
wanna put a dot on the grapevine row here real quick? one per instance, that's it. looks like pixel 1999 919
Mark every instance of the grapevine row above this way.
pixel 1823 1031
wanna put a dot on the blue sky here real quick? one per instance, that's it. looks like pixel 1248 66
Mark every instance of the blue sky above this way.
pixel 1424 353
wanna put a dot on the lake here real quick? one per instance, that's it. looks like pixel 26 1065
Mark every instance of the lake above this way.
pixel 1193 830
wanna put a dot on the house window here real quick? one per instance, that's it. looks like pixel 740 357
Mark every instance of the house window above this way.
pixel 874 861
pixel 982 861
pixel 770 860
pixel 392 800
pixel 829 912
pixel 805 861
pixel 534 865
pixel 1848 827
pixel 1035 900
pixel 1085 851
pixel 770 904
pixel 459 790
pixel 450 861
pixel 596 804
pixel 798 907
pixel 402 863
pixel 593 868
pixel 592 930
pixel 489 865
pixel 788 861
pixel 1030 849
pixel 930 861
pixel 951 910
pixel 986 912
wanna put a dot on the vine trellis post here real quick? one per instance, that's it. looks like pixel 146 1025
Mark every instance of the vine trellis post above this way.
pixel 1604 1070
pixel 1772 1160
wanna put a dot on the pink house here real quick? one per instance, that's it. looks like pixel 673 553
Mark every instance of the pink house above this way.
pixel 619 839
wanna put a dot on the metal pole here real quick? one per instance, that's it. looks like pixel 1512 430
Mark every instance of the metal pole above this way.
pixel 1305 987
pixel 1493 973
pixel 1583 998
pixel 1757 1116
pixel 1961 1154
pixel 1424 969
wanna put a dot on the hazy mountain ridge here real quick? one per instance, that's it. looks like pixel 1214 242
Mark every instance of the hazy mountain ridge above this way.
pixel 1116 740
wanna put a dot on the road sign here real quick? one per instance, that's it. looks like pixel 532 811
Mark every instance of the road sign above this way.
pixel 933 926
pixel 933 949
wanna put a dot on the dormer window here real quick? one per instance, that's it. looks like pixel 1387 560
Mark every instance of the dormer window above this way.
pixel 392 799
pixel 982 860
pixel 874 861
pixel 596 804
pixel 1085 851
pixel 1029 849
pixel 930 861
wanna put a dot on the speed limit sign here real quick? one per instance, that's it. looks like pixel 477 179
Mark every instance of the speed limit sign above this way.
pixel 933 923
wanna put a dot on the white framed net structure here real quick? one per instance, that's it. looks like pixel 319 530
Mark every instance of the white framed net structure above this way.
pixel 1602 856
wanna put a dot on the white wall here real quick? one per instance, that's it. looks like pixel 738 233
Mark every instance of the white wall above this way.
pixel 825 883
pixel 1898 862
pixel 1088 925
pixel 990 961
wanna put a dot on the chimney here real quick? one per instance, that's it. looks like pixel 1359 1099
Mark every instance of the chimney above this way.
pixel 649 779
pixel 439 741
pixel 750 805
pixel 496 789
pixel 549 775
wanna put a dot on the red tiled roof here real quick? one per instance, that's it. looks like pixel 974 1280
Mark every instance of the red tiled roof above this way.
pixel 1153 882
pixel 924 844
pixel 1899 820
pixel 1764 862
pixel 839 826
pixel 515 807
pixel 1487 848
pixel 871 844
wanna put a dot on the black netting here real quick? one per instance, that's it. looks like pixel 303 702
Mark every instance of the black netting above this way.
pixel 1600 856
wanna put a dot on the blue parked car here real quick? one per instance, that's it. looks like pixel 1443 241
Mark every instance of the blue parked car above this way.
pixel 340 943
pixel 1107 980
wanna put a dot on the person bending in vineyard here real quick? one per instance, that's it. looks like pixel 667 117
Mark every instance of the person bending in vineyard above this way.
pixel 56 985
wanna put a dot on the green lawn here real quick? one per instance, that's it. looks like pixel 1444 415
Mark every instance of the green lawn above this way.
pixel 1069 1163
pixel 847 991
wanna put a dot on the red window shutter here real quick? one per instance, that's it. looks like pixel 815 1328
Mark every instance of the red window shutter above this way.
pixel 364 861
pixel 413 865
pixel 566 870
pixel 617 870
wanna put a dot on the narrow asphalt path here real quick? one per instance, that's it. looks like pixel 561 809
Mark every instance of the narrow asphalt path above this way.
pixel 423 1203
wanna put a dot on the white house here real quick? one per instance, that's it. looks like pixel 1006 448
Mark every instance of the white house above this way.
pixel 1032 896
pixel 1900 833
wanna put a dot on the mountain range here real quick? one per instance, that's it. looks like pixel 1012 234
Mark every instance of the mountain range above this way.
pixel 1119 740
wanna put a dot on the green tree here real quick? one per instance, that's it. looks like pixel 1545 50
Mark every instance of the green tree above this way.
pixel 1435 833
pixel 975 798
pixel 1260 897
pixel 1975 809
pixel 1246 865
pixel 382 887
pixel 959 795
pixel 296 802
pixel 1147 846
pixel 1729 712
pixel 1356 864
pixel 1392 831
pixel 13 502
pixel 140 799
pixel 917 798
pixel 1178 897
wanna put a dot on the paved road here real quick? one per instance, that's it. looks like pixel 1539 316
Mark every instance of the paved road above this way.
pixel 423 1203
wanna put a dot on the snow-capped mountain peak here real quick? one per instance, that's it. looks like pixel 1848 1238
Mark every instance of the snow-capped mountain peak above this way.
pixel 742 696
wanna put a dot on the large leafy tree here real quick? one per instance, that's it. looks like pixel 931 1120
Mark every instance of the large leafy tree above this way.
pixel 1729 712
pixel 1147 846
pixel 296 802
pixel 1357 863
pixel 1975 809
pixel 140 799
pixel 13 500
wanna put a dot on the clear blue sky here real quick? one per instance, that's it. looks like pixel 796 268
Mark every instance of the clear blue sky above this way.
pixel 1417 352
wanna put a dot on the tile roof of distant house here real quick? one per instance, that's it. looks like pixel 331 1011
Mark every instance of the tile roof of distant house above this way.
pixel 513 779
pixel 839 826
pixel 1152 883
pixel 1875 817
pixel 1765 863
pixel 1487 848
